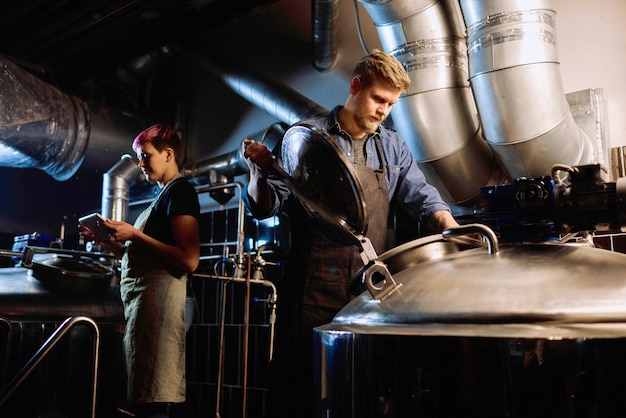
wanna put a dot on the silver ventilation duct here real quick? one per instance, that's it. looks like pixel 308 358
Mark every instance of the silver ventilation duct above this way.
pixel 516 92
pixel 276 99
pixel 437 117
pixel 41 127
pixel 222 169
pixel 514 72
pixel 45 129
pixel 116 184
pixel 324 16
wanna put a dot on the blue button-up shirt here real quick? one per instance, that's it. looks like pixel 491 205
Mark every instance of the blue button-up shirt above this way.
pixel 405 181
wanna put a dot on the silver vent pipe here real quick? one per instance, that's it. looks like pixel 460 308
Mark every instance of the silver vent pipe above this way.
pixel 41 127
pixel 276 99
pixel 324 17
pixel 514 73
pixel 222 170
pixel 45 129
pixel 232 164
pixel 437 117
pixel 116 184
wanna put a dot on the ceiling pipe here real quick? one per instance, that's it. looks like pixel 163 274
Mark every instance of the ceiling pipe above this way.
pixel 515 77
pixel 45 129
pixel 222 170
pixel 437 117
pixel 273 97
pixel 324 18
pixel 116 184
pixel 41 127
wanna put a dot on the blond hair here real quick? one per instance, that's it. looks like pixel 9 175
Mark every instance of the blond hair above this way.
pixel 381 65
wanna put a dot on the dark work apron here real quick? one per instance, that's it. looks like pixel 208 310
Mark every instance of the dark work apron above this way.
pixel 314 289
pixel 326 265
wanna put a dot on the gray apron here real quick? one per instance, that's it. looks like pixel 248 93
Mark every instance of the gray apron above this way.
pixel 153 295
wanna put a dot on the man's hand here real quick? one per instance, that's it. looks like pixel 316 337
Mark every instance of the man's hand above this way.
pixel 258 158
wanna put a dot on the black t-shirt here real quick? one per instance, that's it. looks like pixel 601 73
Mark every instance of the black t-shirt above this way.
pixel 180 198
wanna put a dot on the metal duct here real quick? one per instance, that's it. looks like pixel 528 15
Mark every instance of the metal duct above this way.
pixel 276 99
pixel 514 73
pixel 222 169
pixel 43 128
pixel 437 117
pixel 233 164
pixel 324 15
pixel 116 184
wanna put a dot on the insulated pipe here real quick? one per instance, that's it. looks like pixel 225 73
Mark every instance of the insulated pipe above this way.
pixel 276 99
pixel 514 73
pixel 224 168
pixel 43 128
pixel 40 127
pixel 116 184
pixel 437 117
pixel 324 16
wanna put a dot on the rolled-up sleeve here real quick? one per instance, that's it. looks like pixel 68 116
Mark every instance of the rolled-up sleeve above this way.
pixel 279 190
pixel 407 183
pixel 280 193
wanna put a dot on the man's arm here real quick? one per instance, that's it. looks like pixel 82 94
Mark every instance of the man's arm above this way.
pixel 440 220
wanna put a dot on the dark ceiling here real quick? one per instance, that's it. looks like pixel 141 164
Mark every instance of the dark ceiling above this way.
pixel 79 47
pixel 70 41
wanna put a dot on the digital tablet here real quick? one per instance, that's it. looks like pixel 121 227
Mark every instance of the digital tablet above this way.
pixel 95 222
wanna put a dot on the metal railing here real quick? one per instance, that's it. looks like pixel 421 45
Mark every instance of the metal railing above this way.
pixel 47 346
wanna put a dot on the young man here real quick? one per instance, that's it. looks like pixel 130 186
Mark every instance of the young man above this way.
pixel 319 268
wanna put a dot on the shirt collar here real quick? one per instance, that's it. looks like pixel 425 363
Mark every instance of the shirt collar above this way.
pixel 332 124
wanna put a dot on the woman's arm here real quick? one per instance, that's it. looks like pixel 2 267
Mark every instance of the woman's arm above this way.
pixel 185 255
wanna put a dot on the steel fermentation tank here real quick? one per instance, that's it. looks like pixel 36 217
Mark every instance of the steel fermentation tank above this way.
pixel 532 330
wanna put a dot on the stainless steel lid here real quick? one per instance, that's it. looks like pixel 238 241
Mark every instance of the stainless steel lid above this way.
pixel 541 290
pixel 71 274
pixel 324 175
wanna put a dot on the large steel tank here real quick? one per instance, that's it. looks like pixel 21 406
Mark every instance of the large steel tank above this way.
pixel 464 323
pixel 514 330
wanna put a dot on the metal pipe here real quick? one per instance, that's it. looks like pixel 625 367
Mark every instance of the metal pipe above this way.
pixel 116 184
pixel 40 126
pixel 324 16
pixel 278 100
pixel 233 163
pixel 46 129
pixel 437 116
pixel 514 73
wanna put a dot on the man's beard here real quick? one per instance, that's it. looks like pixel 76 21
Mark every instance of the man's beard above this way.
pixel 364 121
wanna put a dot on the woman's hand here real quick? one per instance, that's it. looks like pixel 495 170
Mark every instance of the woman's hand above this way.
pixel 121 231
pixel 111 245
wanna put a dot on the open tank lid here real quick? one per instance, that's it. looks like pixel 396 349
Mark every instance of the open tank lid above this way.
pixel 545 290
pixel 325 176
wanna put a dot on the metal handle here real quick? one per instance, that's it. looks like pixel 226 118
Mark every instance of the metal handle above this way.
pixel 472 229
pixel 379 281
